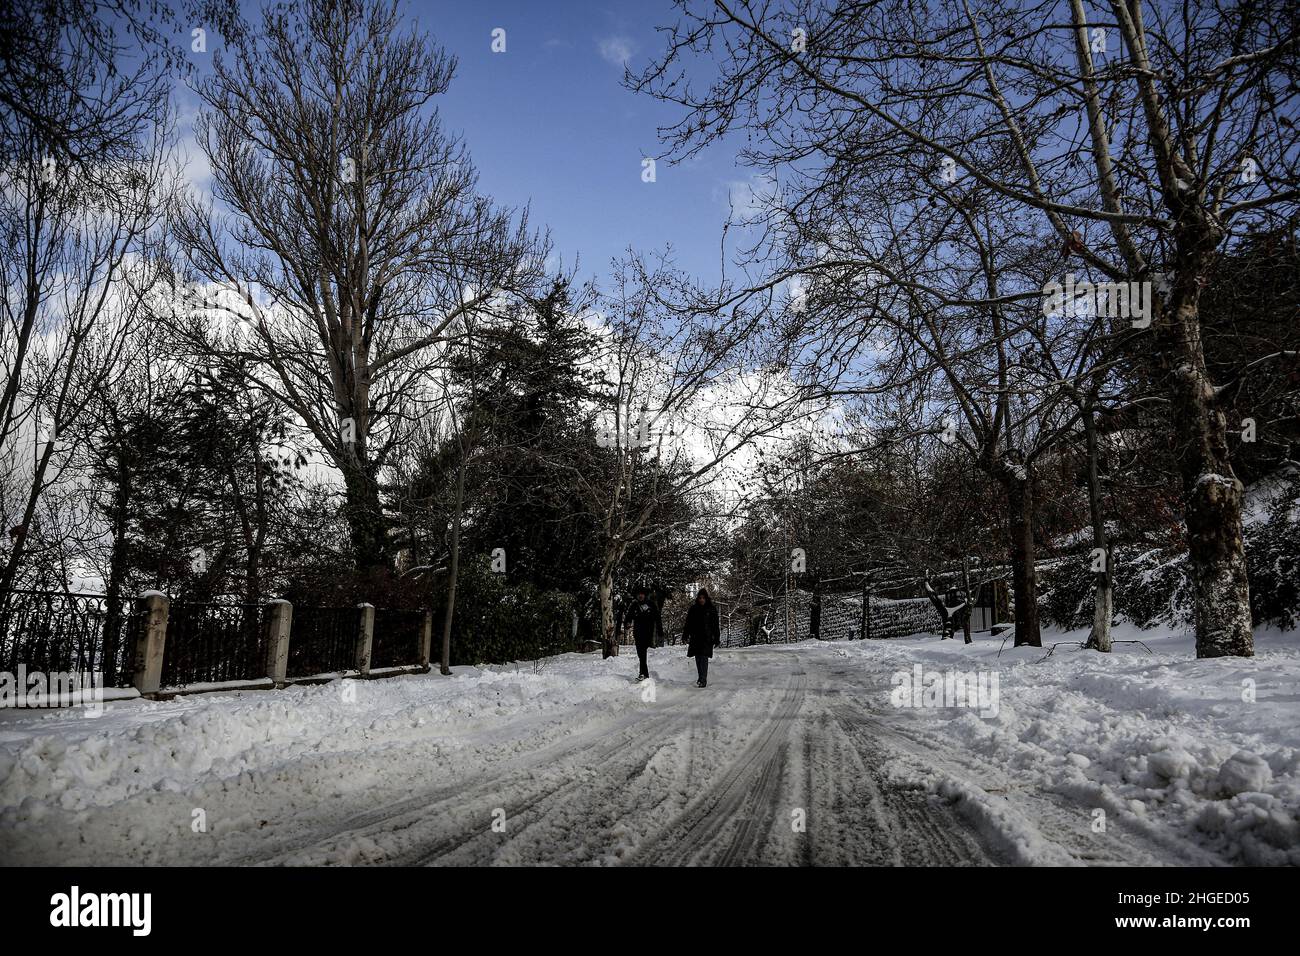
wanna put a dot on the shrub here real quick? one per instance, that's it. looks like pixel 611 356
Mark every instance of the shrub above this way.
pixel 498 621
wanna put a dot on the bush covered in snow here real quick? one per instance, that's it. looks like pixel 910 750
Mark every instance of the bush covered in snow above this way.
pixel 1065 594
pixel 1153 585
pixel 1273 558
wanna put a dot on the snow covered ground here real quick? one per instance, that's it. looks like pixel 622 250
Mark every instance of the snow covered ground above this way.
pixel 793 754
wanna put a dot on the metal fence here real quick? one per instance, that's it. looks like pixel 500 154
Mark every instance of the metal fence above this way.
pixel 323 640
pixel 204 642
pixel 207 643
pixel 783 621
pixel 737 626
pixel 396 638
pixel 734 628
pixel 901 618
pixel 60 632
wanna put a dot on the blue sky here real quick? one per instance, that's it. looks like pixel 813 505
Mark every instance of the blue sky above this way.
pixel 548 121
pixel 549 124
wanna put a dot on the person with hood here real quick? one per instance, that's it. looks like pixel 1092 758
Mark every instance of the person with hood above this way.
pixel 701 634
pixel 642 614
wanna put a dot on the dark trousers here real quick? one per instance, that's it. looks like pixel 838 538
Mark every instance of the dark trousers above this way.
pixel 641 648
pixel 702 668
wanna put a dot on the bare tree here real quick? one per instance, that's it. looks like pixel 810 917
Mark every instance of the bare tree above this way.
pixel 680 406
pixel 84 76
pixel 1143 137
pixel 76 270
pixel 349 220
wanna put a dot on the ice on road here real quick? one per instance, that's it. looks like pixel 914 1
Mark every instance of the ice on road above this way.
pixel 793 755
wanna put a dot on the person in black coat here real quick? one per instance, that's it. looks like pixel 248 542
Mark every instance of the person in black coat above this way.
pixel 642 615
pixel 701 634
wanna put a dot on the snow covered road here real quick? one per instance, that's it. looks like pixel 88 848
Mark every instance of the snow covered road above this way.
pixel 793 755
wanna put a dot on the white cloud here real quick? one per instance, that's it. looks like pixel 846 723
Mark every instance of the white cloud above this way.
pixel 754 197
pixel 196 170
pixel 615 50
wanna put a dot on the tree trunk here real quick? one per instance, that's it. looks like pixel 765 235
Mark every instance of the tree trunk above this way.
pixel 609 647
pixel 815 611
pixel 1103 592
pixel 1020 498
pixel 941 608
pixel 1103 608
pixel 453 569
pixel 18 546
pixel 117 569
pixel 970 598
pixel 1212 494
pixel 364 515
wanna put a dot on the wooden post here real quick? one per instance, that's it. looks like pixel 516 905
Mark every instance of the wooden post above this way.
pixel 153 608
pixel 365 637
pixel 279 624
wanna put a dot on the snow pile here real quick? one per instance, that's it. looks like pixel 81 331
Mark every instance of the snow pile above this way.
pixel 176 743
pixel 1168 747
pixel 67 780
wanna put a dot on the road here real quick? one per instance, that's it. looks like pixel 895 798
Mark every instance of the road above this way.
pixel 776 762
pixel 793 755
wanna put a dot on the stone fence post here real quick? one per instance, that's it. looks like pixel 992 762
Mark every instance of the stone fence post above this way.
pixel 279 624
pixel 365 637
pixel 153 608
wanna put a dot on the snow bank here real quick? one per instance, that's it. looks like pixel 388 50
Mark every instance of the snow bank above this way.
pixel 1162 743
pixel 66 780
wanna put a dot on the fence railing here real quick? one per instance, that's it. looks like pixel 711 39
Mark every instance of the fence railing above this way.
pixel 324 640
pixel 900 618
pixel 211 643
pixel 61 632
pixel 397 637
pixel 737 627
pixel 157 645
pixel 152 643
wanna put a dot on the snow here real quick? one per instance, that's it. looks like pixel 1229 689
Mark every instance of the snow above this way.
pixel 1244 772
pixel 1189 761
pixel 1265 494
pixel 1169 746
pixel 208 687
pixel 1213 478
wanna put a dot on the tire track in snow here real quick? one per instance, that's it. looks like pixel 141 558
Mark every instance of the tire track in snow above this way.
pixel 746 795
pixel 920 831
pixel 465 807
pixel 1063 826
pixel 609 808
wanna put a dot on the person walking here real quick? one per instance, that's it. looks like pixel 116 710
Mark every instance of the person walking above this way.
pixel 701 634
pixel 642 614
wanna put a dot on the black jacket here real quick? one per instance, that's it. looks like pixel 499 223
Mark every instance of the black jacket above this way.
pixel 643 617
pixel 701 630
